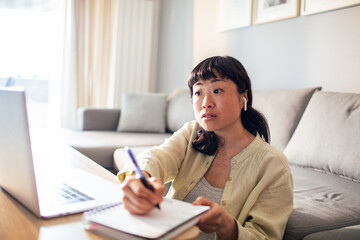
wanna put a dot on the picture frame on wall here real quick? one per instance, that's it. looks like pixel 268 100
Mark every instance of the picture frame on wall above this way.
pixel 274 10
pixel 232 14
pixel 317 6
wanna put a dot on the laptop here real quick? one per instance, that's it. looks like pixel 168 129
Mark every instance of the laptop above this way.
pixel 33 173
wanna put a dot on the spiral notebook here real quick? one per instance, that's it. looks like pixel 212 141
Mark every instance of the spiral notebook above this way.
pixel 114 221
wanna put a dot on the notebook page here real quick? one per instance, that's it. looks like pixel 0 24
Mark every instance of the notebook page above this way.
pixel 173 213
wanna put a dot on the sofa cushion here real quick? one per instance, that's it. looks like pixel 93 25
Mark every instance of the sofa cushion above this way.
pixel 179 109
pixel 321 202
pixel 327 136
pixel 346 233
pixel 283 110
pixel 143 112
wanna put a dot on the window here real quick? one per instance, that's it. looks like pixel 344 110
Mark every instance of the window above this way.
pixel 30 47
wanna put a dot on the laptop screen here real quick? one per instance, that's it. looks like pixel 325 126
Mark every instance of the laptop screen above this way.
pixel 17 174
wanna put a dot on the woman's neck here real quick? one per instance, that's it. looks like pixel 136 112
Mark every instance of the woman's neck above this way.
pixel 234 141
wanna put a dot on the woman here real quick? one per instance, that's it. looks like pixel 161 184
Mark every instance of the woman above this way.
pixel 221 160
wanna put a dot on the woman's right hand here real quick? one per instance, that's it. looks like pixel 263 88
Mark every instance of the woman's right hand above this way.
pixel 137 198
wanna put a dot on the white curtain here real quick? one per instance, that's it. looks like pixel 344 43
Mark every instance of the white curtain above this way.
pixel 66 87
pixel 109 48
pixel 136 51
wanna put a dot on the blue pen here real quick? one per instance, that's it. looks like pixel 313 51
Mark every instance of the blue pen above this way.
pixel 142 177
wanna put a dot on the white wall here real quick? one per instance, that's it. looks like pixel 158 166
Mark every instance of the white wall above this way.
pixel 175 45
pixel 316 50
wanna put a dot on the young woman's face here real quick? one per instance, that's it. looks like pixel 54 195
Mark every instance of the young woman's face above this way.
pixel 217 104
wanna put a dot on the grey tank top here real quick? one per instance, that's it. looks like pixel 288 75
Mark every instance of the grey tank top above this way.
pixel 204 189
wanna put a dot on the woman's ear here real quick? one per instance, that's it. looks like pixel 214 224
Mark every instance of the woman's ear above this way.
pixel 246 95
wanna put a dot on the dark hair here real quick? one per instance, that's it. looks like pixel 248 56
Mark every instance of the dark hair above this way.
pixel 230 68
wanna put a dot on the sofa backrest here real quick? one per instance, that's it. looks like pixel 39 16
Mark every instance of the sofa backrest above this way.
pixel 283 110
pixel 327 136
pixel 97 119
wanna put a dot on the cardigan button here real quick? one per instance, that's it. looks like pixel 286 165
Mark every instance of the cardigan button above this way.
pixel 223 203
pixel 229 179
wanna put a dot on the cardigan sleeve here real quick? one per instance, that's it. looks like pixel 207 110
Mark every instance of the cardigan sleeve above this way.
pixel 165 160
pixel 268 216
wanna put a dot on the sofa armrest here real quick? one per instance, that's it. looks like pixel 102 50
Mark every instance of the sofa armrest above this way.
pixel 98 119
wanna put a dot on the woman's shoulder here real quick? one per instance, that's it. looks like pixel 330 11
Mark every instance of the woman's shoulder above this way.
pixel 188 128
pixel 186 132
pixel 191 125
pixel 271 150
pixel 270 155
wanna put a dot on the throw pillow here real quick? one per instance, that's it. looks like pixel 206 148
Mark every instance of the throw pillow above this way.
pixel 283 110
pixel 327 136
pixel 180 110
pixel 143 112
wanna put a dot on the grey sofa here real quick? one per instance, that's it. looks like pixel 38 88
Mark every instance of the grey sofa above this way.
pixel 318 132
pixel 98 134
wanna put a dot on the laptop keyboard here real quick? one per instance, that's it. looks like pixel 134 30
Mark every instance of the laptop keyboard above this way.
pixel 71 195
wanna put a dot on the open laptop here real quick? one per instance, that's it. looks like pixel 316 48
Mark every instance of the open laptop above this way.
pixel 46 189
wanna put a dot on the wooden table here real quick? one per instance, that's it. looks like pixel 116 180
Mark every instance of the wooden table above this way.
pixel 17 222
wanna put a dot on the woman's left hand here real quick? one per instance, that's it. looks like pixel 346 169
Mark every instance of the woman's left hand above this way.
pixel 216 220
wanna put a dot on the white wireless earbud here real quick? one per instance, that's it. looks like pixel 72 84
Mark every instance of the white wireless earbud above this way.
pixel 245 103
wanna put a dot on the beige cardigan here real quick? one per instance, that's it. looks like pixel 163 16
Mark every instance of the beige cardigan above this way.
pixel 258 193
